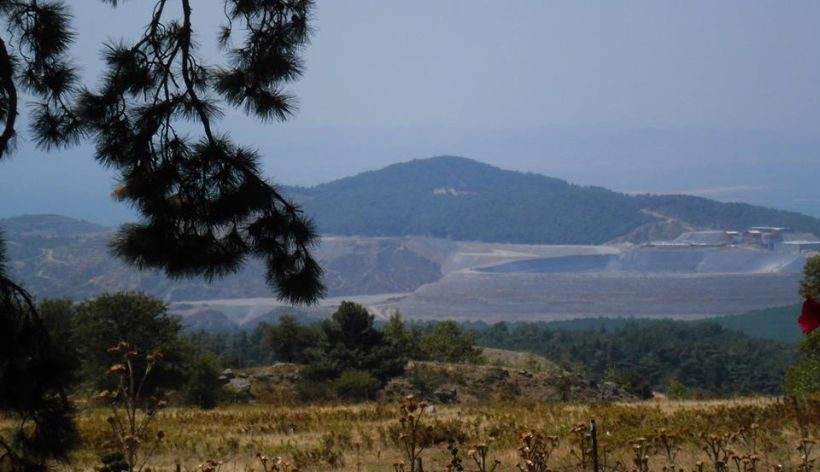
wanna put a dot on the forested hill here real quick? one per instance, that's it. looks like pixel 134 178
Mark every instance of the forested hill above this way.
pixel 461 199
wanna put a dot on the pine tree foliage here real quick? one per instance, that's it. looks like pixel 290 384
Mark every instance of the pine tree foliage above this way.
pixel 35 59
pixel 350 342
pixel 205 206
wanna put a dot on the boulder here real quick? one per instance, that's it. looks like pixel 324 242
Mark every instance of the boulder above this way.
pixel 446 395
pixel 239 385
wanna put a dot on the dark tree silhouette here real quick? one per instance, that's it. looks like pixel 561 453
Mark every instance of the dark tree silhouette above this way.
pixel 205 207
pixel 32 376
pixel 32 379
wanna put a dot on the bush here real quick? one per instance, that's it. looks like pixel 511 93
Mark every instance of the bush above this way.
pixel 447 342
pixel 425 380
pixel 203 386
pixel 803 378
pixel 312 390
pixel 675 390
pixel 356 385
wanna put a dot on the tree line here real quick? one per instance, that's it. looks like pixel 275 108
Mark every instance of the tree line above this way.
pixel 348 355
pixel 702 358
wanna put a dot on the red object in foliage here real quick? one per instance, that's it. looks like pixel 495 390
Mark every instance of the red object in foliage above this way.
pixel 809 315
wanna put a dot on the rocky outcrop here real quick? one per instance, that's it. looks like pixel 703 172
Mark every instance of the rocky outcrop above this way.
pixel 462 383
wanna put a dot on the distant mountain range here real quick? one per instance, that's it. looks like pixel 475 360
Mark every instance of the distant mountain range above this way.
pixel 461 199
pixel 417 228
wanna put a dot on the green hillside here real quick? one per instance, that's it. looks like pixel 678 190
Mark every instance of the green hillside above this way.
pixel 461 199
pixel 776 324
pixel 710 214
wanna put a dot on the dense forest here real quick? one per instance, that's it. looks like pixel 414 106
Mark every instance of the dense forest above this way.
pixel 710 214
pixel 703 357
pixel 456 198
pixel 774 323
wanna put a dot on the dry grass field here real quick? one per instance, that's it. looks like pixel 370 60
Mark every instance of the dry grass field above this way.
pixel 760 434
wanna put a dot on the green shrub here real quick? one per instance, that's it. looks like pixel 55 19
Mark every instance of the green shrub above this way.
pixel 675 390
pixel 203 387
pixel 425 380
pixel 356 385
pixel 803 378
pixel 312 390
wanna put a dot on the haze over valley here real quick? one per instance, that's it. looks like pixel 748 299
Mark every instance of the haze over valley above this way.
pixel 452 238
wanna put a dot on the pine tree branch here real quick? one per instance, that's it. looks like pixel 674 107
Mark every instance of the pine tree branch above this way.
pixel 9 113
pixel 19 296
pixel 185 42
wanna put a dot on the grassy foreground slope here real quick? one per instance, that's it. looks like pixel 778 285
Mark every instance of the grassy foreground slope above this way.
pixel 367 437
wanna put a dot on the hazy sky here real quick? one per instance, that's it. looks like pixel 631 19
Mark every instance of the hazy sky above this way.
pixel 493 64
pixel 476 63
pixel 633 95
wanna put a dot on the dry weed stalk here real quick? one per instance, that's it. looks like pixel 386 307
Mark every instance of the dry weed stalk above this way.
pixel 669 444
pixel 209 466
pixel 583 439
pixel 805 447
pixel 746 462
pixel 278 465
pixel 455 463
pixel 717 448
pixel 131 414
pixel 618 466
pixel 749 436
pixel 536 451
pixel 414 437
pixel 479 455
pixel 358 446
pixel 641 448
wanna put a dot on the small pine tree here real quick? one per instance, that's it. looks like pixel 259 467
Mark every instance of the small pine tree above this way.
pixel 289 340
pixel 351 342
